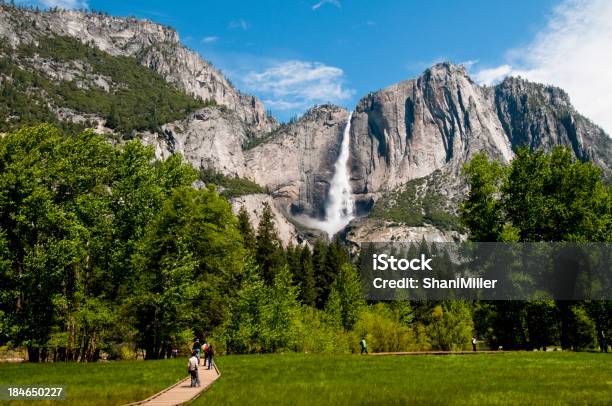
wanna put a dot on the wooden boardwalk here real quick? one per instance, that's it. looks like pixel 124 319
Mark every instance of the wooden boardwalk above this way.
pixel 182 392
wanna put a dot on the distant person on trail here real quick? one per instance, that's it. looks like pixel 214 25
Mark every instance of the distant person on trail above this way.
pixel 192 367
pixel 174 353
pixel 210 353
pixel 363 345
pixel 196 348
pixel 474 341
pixel 603 345
pixel 205 347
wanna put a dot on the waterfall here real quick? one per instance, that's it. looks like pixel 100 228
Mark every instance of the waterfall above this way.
pixel 340 207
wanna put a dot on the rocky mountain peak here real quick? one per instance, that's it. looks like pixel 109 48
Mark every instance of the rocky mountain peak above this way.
pixel 153 45
pixel 322 114
pixel 444 71
pixel 549 95
pixel 541 117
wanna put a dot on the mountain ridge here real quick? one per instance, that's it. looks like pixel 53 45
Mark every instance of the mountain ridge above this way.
pixel 421 128
pixel 154 45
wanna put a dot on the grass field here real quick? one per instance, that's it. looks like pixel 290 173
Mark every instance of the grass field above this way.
pixel 101 383
pixel 297 379
pixel 485 379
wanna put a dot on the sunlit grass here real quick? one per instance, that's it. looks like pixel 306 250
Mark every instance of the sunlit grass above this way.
pixel 483 379
pixel 101 383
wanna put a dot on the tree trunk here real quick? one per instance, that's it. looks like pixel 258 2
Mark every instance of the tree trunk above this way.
pixel 33 354
pixel 565 313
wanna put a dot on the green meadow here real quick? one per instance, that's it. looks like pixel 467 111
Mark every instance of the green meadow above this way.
pixel 99 383
pixel 299 379
pixel 483 379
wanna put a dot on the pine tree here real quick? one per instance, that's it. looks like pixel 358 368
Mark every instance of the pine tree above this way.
pixel 268 253
pixel 113 120
pixel 246 229
pixel 318 266
pixel 293 258
pixel 335 257
pixel 305 278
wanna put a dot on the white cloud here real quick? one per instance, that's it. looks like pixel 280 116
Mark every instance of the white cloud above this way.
pixel 324 2
pixel 493 75
pixel 209 40
pixel 294 84
pixel 574 52
pixel 242 24
pixel 469 63
pixel 62 4
pixel 283 105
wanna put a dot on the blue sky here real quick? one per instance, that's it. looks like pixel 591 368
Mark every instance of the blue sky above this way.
pixel 293 54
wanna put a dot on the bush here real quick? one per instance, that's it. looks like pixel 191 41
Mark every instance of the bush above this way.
pixel 582 330
pixel 384 331
pixel 228 186
pixel 450 326
pixel 315 334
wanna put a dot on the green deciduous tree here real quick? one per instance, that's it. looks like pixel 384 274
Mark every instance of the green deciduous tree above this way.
pixel 187 262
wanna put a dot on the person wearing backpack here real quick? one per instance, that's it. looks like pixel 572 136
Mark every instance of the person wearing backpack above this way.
pixel 205 351
pixel 210 353
pixel 196 348
pixel 363 345
pixel 192 368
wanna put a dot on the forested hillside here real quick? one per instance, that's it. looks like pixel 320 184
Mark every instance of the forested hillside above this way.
pixel 61 80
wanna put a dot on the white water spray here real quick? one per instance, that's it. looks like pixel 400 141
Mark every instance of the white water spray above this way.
pixel 340 207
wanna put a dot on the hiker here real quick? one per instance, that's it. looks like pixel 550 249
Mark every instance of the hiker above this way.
pixel 196 348
pixel 474 343
pixel 205 351
pixel 174 353
pixel 210 353
pixel 363 345
pixel 192 367
pixel 603 345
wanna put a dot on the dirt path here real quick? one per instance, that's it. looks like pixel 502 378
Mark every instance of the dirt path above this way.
pixel 182 391
pixel 439 353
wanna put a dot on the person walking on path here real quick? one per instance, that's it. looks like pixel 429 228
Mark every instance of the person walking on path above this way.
pixel 363 345
pixel 473 343
pixel 210 353
pixel 205 352
pixel 603 345
pixel 196 348
pixel 192 367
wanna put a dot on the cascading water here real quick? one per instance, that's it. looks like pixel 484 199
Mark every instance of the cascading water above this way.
pixel 340 207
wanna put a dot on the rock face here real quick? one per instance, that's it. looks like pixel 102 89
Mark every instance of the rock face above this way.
pixel 153 45
pixel 437 122
pixel 410 129
pixel 297 164
pixel 538 116
pixel 441 119
pixel 368 230
pixel 210 138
